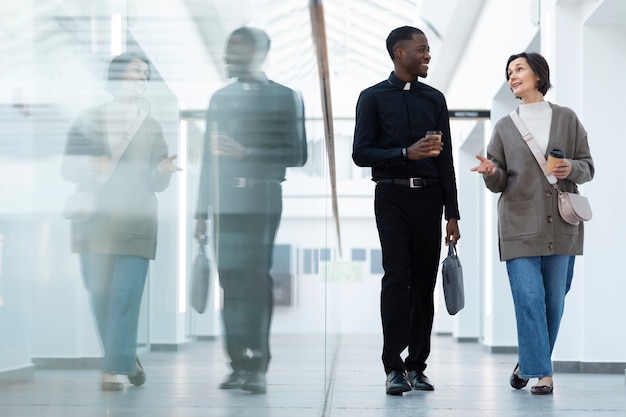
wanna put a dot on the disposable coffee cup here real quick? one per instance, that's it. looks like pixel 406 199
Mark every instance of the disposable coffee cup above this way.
pixel 554 157
pixel 438 134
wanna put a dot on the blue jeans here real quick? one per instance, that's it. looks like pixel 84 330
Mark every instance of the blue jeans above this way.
pixel 538 286
pixel 115 284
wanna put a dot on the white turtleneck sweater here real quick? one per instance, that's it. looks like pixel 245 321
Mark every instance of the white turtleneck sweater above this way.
pixel 537 117
pixel 119 117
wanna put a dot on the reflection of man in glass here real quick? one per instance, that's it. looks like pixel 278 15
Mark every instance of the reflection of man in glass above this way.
pixel 255 129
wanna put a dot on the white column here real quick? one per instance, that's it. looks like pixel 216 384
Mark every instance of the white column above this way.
pixel 466 325
pixel 499 327
pixel 15 211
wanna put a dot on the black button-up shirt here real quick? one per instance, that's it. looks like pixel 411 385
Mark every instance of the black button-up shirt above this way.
pixel 394 114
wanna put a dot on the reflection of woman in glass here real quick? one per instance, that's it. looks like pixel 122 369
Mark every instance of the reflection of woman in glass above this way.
pixel 119 153
pixel 536 243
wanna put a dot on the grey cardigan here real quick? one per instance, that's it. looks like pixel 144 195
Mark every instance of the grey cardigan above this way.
pixel 529 223
pixel 125 222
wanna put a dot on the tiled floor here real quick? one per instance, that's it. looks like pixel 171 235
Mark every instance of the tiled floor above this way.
pixel 469 382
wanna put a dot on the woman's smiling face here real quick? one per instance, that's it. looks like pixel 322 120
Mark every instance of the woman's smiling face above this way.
pixel 522 79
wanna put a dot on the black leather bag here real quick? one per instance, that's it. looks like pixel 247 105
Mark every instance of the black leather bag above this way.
pixel 200 281
pixel 452 274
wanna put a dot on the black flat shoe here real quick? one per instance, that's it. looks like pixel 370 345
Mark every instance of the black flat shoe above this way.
pixel 140 377
pixel 542 389
pixel 396 383
pixel 517 382
pixel 419 381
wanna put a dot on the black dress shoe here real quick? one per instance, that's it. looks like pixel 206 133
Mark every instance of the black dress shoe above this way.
pixel 396 383
pixel 254 382
pixel 542 389
pixel 234 380
pixel 420 381
pixel 517 382
pixel 140 376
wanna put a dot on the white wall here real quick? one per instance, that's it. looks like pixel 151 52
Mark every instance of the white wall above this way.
pixel 600 288
pixel 583 42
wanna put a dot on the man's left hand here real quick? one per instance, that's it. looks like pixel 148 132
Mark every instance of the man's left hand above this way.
pixel 224 145
pixel 452 231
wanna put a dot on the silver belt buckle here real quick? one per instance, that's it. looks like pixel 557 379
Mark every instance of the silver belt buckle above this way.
pixel 239 182
pixel 413 183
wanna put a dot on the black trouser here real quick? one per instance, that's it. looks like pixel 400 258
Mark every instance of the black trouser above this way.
pixel 245 243
pixel 409 227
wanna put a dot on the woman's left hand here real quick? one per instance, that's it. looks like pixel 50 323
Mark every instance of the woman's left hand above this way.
pixel 562 169
pixel 167 165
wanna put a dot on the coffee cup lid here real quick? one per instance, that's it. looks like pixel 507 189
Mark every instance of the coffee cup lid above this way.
pixel 557 153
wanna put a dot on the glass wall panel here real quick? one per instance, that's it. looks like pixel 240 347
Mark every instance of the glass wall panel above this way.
pixel 266 190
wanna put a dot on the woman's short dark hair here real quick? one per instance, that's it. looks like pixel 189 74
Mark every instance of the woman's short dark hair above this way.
pixel 403 33
pixel 538 64
pixel 120 63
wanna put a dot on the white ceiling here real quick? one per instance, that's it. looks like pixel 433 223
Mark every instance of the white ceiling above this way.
pixel 356 32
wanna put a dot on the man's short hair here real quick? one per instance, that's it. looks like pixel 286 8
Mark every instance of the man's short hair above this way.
pixel 403 33
pixel 255 37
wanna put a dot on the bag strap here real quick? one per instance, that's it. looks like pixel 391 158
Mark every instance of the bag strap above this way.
pixel 532 144
pixel 451 248
pixel 121 148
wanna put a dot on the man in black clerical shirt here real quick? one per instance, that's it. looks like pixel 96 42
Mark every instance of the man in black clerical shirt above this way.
pixel 415 182
pixel 254 130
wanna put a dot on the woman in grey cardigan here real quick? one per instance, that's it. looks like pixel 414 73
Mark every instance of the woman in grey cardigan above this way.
pixel 117 240
pixel 537 245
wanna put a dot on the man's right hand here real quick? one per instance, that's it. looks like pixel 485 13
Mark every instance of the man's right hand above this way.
pixel 424 148
pixel 200 233
pixel 224 145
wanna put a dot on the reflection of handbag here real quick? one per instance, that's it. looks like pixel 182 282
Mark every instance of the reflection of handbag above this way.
pixel 200 281
pixel 81 205
pixel 452 274
pixel 573 207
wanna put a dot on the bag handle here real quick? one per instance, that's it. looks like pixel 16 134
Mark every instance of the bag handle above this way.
pixel 532 144
pixel 452 248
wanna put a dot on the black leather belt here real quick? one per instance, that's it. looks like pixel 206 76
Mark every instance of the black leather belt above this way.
pixel 410 182
pixel 248 182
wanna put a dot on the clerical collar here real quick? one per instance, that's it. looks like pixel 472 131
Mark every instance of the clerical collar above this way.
pixel 254 83
pixel 402 85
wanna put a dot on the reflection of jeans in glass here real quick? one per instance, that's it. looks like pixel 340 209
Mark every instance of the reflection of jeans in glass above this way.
pixel 115 284
pixel 538 286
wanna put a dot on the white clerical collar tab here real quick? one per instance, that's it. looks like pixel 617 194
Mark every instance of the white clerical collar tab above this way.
pixel 407 86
